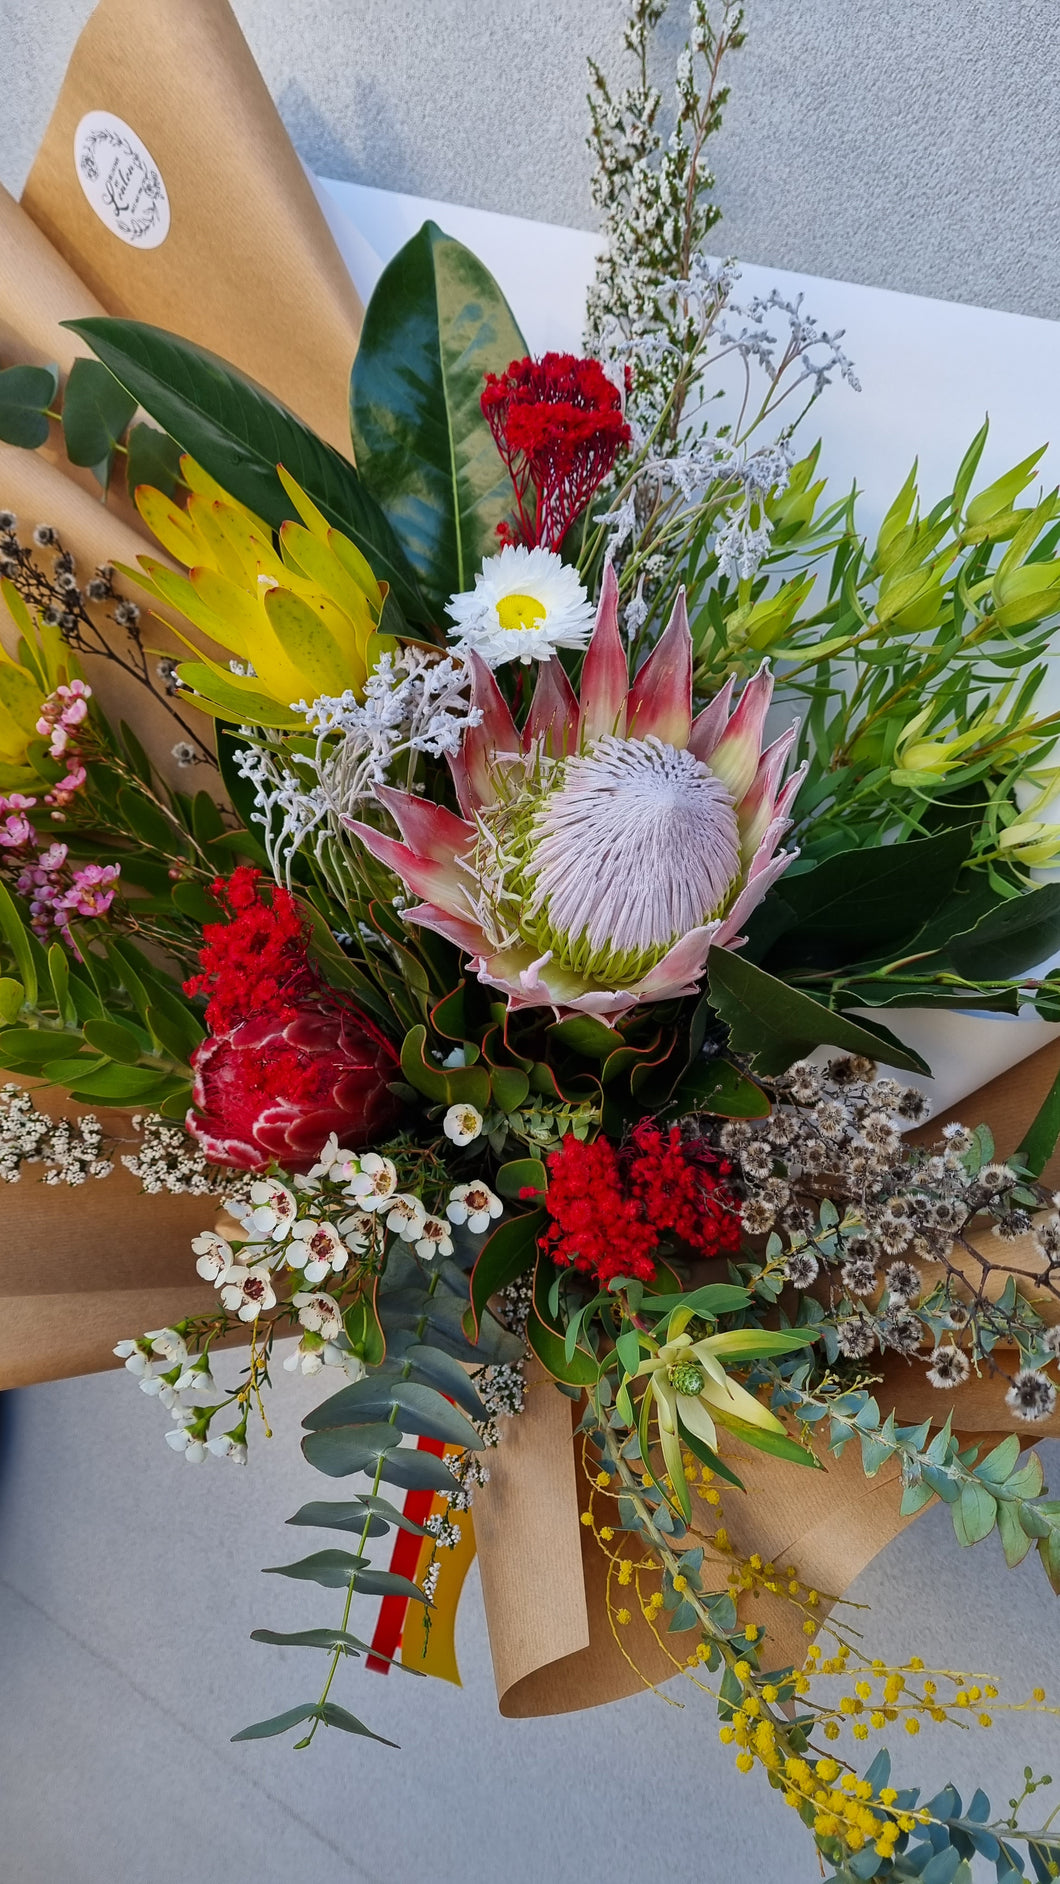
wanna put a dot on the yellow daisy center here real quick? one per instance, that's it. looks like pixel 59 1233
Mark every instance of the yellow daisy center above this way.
pixel 520 611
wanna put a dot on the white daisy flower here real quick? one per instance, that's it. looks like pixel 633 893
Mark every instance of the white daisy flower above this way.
pixel 525 603
pixel 475 1205
pixel 434 1239
pixel 462 1124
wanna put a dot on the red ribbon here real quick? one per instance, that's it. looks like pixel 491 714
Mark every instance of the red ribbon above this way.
pixel 405 1556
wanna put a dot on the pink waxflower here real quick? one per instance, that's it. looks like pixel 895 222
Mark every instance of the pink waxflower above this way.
pixel 92 890
pixel 61 712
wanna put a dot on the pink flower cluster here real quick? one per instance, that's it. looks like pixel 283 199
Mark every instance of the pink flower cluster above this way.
pixel 55 892
pixel 61 714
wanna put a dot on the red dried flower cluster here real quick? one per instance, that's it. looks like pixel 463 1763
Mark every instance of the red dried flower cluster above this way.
pixel 610 1207
pixel 558 425
pixel 289 1060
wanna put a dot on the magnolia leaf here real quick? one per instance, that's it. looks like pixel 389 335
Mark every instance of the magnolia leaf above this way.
pixel 435 325
pixel 778 1025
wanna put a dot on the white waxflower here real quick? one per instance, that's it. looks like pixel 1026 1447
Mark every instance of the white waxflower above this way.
pixel 169 1344
pixel 181 1440
pixel 315 1247
pixel 319 1313
pixel 159 1388
pixel 525 603
pixel 137 1363
pixel 434 1239
pixel 358 1231
pixel 216 1258
pixel 475 1205
pixel 373 1182
pixel 406 1216
pixel 249 1294
pixel 462 1123
pixel 271 1212
pixel 332 1161
pixel 227 1446
pixel 197 1378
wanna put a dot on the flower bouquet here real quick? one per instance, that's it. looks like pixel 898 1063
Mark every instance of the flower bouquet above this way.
pixel 453 882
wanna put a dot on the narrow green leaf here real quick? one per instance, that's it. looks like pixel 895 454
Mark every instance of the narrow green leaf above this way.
pixel 505 1256
pixel 153 459
pixel 14 931
pixel 279 1724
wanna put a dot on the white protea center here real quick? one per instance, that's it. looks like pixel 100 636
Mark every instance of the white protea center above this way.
pixel 633 844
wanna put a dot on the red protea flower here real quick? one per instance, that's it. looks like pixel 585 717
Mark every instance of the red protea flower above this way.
pixel 289 1060
pixel 558 425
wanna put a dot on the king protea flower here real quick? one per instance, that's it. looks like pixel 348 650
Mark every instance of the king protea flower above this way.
pixel 605 850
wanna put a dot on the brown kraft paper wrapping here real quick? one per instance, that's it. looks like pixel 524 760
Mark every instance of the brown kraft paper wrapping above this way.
pixel 249 268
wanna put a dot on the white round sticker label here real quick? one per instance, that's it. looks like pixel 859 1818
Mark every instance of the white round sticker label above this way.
pixel 121 180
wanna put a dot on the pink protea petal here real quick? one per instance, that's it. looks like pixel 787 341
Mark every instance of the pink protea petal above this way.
pixel 461 930
pixel 495 732
pixel 444 883
pixel 680 970
pixel 553 719
pixel 735 757
pixel 430 830
pixel 761 878
pixel 790 792
pixel 708 726
pixel 605 670
pixel 661 698
pixel 758 807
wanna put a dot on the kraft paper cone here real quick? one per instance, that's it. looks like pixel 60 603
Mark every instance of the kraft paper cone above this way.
pixel 38 290
pixel 248 268
pixel 85 1267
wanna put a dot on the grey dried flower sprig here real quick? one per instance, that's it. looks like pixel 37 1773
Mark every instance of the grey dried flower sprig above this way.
pixel 47 578
pixel 845 1199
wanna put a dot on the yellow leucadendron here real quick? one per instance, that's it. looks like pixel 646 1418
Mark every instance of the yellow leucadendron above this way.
pixel 303 621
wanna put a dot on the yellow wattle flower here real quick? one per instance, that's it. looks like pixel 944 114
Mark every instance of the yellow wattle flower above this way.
pixel 299 622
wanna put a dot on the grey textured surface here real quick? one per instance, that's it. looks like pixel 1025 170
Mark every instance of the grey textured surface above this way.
pixel 129 1583
pixel 914 145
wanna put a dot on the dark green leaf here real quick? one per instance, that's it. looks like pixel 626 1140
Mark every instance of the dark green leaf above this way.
pixel 522 1174
pixel 114 1039
pixel 718 1087
pixel 20 942
pixel 436 324
pixel 26 392
pixel 239 434
pixel 505 1256
pixel 862 902
pixel 153 459
pixel 1012 938
pixel 546 1337
pixel 777 1024
pixel 1042 1134
pixel 333 1569
pixel 96 412
pixel 350 1449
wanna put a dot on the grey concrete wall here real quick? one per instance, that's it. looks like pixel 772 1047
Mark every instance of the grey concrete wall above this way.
pixel 913 144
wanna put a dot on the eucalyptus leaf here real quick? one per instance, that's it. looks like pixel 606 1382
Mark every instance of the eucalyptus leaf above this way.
pixel 26 392
pixel 96 413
